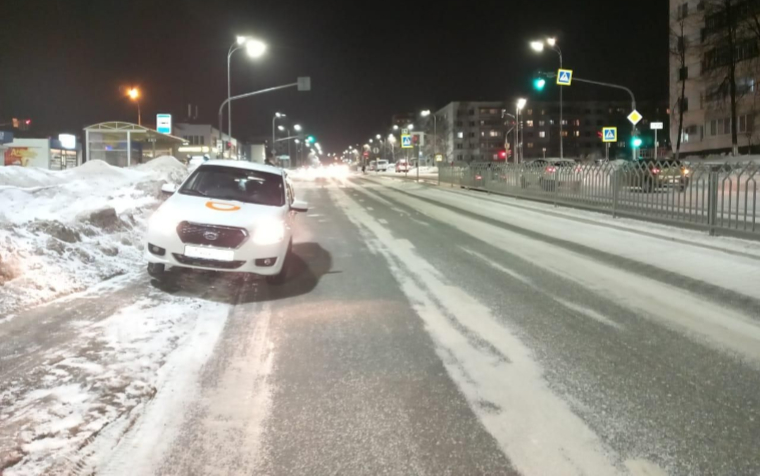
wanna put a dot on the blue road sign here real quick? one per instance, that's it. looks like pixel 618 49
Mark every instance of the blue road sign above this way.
pixel 406 141
pixel 609 134
pixel 565 77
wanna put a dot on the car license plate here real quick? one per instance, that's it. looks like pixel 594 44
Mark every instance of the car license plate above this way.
pixel 209 253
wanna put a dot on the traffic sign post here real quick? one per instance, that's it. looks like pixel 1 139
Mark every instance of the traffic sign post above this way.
pixel 406 141
pixel 635 117
pixel 565 77
pixel 609 134
pixel 656 126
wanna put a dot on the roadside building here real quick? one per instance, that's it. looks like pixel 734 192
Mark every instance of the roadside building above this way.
pixel 699 63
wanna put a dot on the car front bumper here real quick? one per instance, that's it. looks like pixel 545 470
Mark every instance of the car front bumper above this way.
pixel 243 261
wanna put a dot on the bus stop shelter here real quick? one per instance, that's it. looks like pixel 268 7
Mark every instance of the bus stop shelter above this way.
pixel 123 144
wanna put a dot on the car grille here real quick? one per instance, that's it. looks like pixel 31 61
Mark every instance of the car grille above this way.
pixel 211 235
pixel 208 263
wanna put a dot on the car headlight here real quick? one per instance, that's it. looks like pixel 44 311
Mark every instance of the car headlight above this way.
pixel 162 222
pixel 269 232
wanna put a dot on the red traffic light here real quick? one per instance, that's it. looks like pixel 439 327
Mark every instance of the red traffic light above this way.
pixel 502 154
pixel 28 122
pixel 599 134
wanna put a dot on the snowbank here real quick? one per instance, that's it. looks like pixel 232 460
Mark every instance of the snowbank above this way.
pixel 62 231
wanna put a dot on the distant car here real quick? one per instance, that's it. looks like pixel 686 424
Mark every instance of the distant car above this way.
pixel 381 165
pixel 549 174
pixel 650 175
pixel 402 166
pixel 228 215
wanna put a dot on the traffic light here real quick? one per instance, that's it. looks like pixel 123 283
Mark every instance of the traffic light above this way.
pixel 311 140
pixel 539 84
pixel 636 142
pixel 503 154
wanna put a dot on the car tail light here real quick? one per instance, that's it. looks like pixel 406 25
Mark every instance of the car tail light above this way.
pixel 551 170
pixel 478 177
pixel 655 171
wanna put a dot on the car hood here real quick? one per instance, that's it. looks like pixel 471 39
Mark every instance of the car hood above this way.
pixel 212 211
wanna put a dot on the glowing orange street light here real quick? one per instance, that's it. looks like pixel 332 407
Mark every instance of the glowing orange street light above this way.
pixel 134 94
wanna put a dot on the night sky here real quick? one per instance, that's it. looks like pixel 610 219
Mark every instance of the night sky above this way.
pixel 62 62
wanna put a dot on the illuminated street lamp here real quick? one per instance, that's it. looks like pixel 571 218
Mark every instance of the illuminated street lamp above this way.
pixel 134 94
pixel 521 102
pixel 297 128
pixel 538 46
pixel 255 49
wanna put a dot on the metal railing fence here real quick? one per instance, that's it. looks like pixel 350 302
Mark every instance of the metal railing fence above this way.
pixel 719 198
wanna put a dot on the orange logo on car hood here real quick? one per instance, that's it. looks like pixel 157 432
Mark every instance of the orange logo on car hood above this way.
pixel 222 207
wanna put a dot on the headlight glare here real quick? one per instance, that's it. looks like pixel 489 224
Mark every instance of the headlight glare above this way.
pixel 269 232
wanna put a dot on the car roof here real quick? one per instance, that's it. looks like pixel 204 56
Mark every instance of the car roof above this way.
pixel 242 164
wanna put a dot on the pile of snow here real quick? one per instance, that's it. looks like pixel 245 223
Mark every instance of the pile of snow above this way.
pixel 62 231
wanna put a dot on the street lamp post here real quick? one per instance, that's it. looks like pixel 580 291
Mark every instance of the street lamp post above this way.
pixel 520 105
pixel 276 116
pixel 134 94
pixel 539 47
pixel 255 49
pixel 427 113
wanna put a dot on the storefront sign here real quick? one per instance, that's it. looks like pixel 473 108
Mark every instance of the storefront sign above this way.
pixel 164 123
pixel 68 141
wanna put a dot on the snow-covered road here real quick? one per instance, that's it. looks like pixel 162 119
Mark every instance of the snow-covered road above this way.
pixel 423 331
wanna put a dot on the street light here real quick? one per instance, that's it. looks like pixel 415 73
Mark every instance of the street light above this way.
pixel 255 49
pixel 276 116
pixel 395 127
pixel 518 144
pixel 280 128
pixel 297 128
pixel 539 47
pixel 378 137
pixel 427 113
pixel 134 94
pixel 410 127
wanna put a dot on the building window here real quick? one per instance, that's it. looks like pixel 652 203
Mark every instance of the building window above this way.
pixel 459 157
pixel 564 122
pixel 494 134
pixel 577 122
pixel 472 134
pixel 471 112
pixel 551 122
pixel 683 10
pixel 714 127
pixel 203 140
pixel 541 123
pixel 459 123
pixel 530 145
pixel 621 144
pixel 684 104
pixel 542 134
pixel 746 123
pixel 459 145
pixel 683 73
pixel 472 123
pixel 577 133
pixel 529 123
pixel 460 135
pixel 564 133
pixel 482 133
pixel 529 135
pixel 543 112
pixel 726 126
pixel 530 112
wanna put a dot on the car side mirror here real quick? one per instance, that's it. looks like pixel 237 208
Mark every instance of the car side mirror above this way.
pixel 168 188
pixel 299 206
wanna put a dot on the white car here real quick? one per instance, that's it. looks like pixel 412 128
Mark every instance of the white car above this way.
pixel 227 216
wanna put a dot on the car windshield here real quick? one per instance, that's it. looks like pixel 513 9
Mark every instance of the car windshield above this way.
pixel 231 183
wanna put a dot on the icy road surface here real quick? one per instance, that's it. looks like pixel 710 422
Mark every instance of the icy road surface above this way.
pixel 424 331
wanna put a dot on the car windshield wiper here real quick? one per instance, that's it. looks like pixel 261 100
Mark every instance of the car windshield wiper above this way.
pixel 190 191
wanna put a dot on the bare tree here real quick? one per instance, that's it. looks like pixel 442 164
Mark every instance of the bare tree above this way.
pixel 678 49
pixel 728 43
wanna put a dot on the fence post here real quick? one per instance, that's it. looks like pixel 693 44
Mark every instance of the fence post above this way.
pixel 712 202
pixel 556 185
pixel 615 192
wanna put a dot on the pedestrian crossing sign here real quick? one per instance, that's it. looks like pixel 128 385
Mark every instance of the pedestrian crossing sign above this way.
pixel 406 141
pixel 564 77
pixel 609 134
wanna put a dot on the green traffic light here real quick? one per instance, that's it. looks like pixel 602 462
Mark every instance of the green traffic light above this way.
pixel 539 84
pixel 310 140
pixel 636 142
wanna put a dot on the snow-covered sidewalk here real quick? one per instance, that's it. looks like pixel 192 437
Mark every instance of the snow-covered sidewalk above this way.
pixel 63 231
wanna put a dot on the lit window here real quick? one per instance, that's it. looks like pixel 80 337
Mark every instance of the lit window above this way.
pixel 577 133
pixel 542 134
pixel 564 133
pixel 530 145
pixel 529 123
pixel 577 122
pixel 564 122
pixel 541 123
pixel 460 135
pixel 530 112
pixel 494 134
